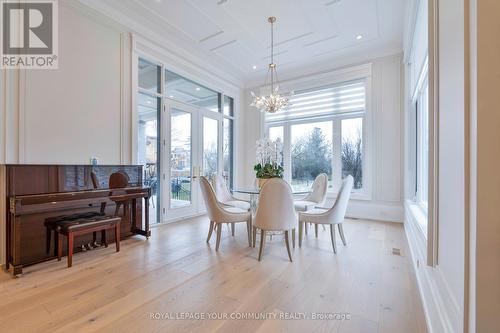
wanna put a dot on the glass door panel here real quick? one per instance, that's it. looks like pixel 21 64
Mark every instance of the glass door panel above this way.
pixel 210 147
pixel 148 147
pixel 181 146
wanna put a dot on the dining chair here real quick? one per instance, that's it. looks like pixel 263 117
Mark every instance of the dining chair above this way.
pixel 315 198
pixel 275 212
pixel 224 196
pixel 317 195
pixel 219 213
pixel 332 216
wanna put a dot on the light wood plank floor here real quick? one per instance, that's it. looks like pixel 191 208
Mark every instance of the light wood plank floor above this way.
pixel 177 272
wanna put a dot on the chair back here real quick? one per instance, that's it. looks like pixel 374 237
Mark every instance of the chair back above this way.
pixel 275 210
pixel 220 189
pixel 118 180
pixel 337 212
pixel 210 198
pixel 318 189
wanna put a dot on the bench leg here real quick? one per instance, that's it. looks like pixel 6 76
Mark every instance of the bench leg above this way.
pixel 104 240
pixel 117 237
pixel 70 249
pixel 59 247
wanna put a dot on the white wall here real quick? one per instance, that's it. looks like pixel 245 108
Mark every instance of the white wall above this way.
pixel 385 139
pixel 75 112
pixel 442 286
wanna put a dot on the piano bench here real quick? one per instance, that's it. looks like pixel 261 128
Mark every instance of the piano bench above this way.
pixel 51 224
pixel 76 227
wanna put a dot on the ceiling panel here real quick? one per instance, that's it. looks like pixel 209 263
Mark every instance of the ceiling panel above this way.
pixel 237 31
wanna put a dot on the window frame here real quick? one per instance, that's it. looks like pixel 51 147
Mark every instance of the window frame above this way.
pixel 419 100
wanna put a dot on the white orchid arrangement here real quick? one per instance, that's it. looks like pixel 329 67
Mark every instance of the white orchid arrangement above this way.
pixel 269 158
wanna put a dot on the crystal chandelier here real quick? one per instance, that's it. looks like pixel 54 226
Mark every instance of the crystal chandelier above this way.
pixel 273 102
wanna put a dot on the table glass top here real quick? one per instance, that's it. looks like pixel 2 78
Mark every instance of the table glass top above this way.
pixel 256 190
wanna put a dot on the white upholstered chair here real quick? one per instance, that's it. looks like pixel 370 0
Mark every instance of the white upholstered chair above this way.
pixel 275 212
pixel 224 196
pixel 332 216
pixel 218 213
pixel 317 195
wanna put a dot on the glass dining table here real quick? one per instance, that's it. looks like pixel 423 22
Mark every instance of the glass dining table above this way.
pixel 254 194
pixel 254 199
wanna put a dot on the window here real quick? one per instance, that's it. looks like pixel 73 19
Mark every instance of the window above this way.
pixel 322 132
pixel 228 140
pixel 422 145
pixel 187 91
pixel 210 147
pixel 311 152
pixel 352 150
pixel 199 138
pixel 148 130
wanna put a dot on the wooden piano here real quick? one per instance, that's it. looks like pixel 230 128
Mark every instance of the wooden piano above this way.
pixel 35 192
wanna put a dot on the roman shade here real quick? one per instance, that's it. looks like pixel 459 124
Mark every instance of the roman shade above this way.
pixel 337 99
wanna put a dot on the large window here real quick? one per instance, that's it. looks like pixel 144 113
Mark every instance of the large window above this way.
pixel 323 133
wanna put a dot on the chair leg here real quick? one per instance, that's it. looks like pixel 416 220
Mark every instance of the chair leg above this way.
pixel 117 209
pixel 249 232
pixel 332 236
pixel 316 230
pixel 306 226
pixel 262 240
pixel 48 239
pixel 210 230
pixel 59 247
pixel 341 232
pixel 232 229
pixel 56 243
pixel 104 239
pixel 254 236
pixel 301 227
pixel 293 238
pixel 70 249
pixel 288 246
pixel 219 231
pixel 117 237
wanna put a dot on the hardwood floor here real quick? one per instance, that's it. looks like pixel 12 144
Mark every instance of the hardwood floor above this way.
pixel 177 272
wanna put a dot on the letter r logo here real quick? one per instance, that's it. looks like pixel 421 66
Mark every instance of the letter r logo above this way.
pixel 27 28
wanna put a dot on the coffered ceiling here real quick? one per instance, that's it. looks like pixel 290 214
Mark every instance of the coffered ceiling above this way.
pixel 308 33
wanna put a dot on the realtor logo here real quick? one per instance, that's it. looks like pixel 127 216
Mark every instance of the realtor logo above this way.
pixel 29 34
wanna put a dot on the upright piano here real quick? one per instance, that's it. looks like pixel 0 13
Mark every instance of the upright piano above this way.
pixel 35 192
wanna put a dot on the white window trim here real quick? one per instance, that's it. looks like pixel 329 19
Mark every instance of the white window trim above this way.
pixel 416 100
pixel 330 78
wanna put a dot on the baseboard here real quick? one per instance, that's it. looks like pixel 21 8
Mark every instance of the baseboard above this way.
pixel 375 211
pixel 441 310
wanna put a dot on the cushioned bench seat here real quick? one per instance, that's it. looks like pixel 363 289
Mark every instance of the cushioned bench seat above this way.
pixel 80 226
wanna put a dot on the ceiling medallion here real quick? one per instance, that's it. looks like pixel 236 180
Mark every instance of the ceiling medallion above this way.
pixel 274 102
